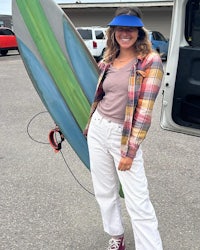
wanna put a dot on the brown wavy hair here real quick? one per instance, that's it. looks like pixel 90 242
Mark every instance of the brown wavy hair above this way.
pixel 142 46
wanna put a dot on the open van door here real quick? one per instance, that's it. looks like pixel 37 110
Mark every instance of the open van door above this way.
pixel 181 93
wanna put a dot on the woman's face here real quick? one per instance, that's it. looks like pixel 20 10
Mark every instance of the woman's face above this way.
pixel 126 36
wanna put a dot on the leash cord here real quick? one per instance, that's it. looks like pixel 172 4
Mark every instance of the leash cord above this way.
pixel 64 159
pixel 28 125
pixel 70 170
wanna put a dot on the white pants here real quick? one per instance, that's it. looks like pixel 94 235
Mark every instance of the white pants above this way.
pixel 104 139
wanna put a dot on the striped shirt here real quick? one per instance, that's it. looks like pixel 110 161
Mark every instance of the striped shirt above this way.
pixel 143 87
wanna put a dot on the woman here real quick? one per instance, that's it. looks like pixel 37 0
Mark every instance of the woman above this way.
pixel 131 74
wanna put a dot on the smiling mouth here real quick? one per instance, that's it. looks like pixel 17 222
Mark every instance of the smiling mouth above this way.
pixel 125 39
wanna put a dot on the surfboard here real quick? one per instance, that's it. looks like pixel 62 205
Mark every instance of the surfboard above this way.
pixel 59 65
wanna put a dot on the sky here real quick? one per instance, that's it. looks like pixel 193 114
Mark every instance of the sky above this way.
pixel 5 5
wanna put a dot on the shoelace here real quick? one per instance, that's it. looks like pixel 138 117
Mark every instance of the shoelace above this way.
pixel 114 244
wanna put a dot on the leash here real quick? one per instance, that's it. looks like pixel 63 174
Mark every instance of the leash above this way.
pixel 57 146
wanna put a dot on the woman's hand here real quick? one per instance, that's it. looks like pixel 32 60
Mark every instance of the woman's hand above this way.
pixel 125 163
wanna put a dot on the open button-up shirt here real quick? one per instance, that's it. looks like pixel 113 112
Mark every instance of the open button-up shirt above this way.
pixel 144 84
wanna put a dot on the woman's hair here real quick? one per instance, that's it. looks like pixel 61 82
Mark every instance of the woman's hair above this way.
pixel 142 46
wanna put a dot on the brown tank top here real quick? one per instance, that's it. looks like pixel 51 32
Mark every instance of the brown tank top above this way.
pixel 115 86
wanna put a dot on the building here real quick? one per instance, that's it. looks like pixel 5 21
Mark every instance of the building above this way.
pixel 156 14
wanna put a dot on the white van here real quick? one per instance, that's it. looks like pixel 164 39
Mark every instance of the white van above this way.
pixel 95 40
pixel 181 93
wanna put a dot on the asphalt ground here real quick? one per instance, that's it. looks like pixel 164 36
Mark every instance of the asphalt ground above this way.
pixel 42 205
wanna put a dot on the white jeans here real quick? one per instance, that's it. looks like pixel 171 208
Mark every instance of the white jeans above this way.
pixel 104 139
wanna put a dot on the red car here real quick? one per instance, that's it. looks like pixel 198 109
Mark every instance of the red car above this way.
pixel 7 40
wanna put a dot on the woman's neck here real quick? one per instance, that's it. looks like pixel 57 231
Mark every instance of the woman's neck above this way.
pixel 126 55
pixel 123 59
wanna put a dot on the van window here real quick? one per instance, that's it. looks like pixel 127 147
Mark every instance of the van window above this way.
pixel 85 34
pixel 99 34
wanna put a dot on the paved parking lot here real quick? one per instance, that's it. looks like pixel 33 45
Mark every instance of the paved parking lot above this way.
pixel 43 207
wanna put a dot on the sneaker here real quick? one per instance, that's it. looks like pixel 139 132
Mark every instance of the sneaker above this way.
pixel 116 244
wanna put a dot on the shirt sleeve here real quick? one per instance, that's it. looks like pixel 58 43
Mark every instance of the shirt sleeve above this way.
pixel 143 113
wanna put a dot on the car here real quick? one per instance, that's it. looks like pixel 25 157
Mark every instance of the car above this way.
pixel 95 40
pixel 159 43
pixel 8 40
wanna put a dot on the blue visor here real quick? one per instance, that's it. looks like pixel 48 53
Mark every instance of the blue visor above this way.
pixel 126 21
